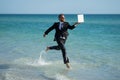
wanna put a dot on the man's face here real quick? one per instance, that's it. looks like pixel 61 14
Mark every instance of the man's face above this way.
pixel 62 18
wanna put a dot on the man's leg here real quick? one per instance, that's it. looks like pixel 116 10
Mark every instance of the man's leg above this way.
pixel 52 48
pixel 64 54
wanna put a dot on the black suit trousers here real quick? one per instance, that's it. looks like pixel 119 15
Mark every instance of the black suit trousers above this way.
pixel 61 46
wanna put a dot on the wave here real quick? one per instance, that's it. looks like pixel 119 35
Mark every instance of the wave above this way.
pixel 37 62
pixel 61 77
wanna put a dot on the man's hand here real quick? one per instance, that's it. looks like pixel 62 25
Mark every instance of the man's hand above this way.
pixel 76 23
pixel 44 35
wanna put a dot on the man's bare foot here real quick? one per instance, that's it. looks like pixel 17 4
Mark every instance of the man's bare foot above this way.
pixel 68 65
pixel 47 49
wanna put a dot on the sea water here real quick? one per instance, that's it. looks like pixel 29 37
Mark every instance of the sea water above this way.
pixel 93 48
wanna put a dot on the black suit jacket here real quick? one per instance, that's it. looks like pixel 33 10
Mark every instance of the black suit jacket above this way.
pixel 63 33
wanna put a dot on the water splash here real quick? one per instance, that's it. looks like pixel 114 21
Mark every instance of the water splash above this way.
pixel 41 61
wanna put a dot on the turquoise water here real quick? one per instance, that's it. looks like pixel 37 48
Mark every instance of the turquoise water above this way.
pixel 93 48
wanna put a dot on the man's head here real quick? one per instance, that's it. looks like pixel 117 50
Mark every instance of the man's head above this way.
pixel 61 17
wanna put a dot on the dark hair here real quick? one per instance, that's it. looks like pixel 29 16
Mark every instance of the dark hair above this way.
pixel 60 15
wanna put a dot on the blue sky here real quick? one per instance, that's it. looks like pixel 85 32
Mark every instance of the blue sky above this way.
pixel 59 6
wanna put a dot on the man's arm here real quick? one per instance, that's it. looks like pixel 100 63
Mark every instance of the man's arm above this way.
pixel 48 30
pixel 73 26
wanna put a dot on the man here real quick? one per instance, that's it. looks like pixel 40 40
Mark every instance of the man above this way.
pixel 61 34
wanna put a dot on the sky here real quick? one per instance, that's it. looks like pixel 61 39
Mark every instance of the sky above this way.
pixel 59 6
